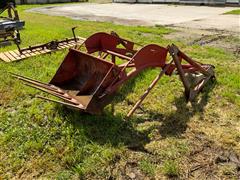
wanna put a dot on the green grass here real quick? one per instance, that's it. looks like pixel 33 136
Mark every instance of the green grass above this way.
pixel 235 12
pixel 170 168
pixel 44 140
pixel 148 168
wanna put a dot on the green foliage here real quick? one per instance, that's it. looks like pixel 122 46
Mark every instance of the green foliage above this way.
pixel 170 168
pixel 235 12
pixel 148 168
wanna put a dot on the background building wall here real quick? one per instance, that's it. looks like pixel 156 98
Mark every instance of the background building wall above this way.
pixel 44 1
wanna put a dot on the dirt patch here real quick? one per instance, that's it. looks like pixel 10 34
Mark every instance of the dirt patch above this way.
pixel 187 35
pixel 128 168
pixel 206 160
pixel 229 41
pixel 207 39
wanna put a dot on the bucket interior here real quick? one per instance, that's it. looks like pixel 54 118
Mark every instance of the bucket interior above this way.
pixel 83 73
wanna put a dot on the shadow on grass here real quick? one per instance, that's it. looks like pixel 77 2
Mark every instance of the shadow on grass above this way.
pixel 176 123
pixel 128 87
pixel 107 129
pixel 110 129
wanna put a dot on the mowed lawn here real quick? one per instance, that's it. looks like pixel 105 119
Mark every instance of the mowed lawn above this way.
pixel 168 138
pixel 235 12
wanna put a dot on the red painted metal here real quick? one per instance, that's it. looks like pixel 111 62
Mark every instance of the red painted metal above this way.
pixel 87 80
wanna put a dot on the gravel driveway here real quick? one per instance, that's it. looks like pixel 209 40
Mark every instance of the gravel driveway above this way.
pixel 198 17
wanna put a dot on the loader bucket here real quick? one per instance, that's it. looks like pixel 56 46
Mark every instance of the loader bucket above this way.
pixel 82 73
pixel 79 80
pixel 88 82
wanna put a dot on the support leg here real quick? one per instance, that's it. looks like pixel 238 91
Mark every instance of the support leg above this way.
pixel 173 50
pixel 154 82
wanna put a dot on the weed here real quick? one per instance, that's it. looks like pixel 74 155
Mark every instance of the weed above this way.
pixel 170 168
pixel 148 168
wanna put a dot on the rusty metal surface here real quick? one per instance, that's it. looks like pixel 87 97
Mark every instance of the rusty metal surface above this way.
pixel 89 76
